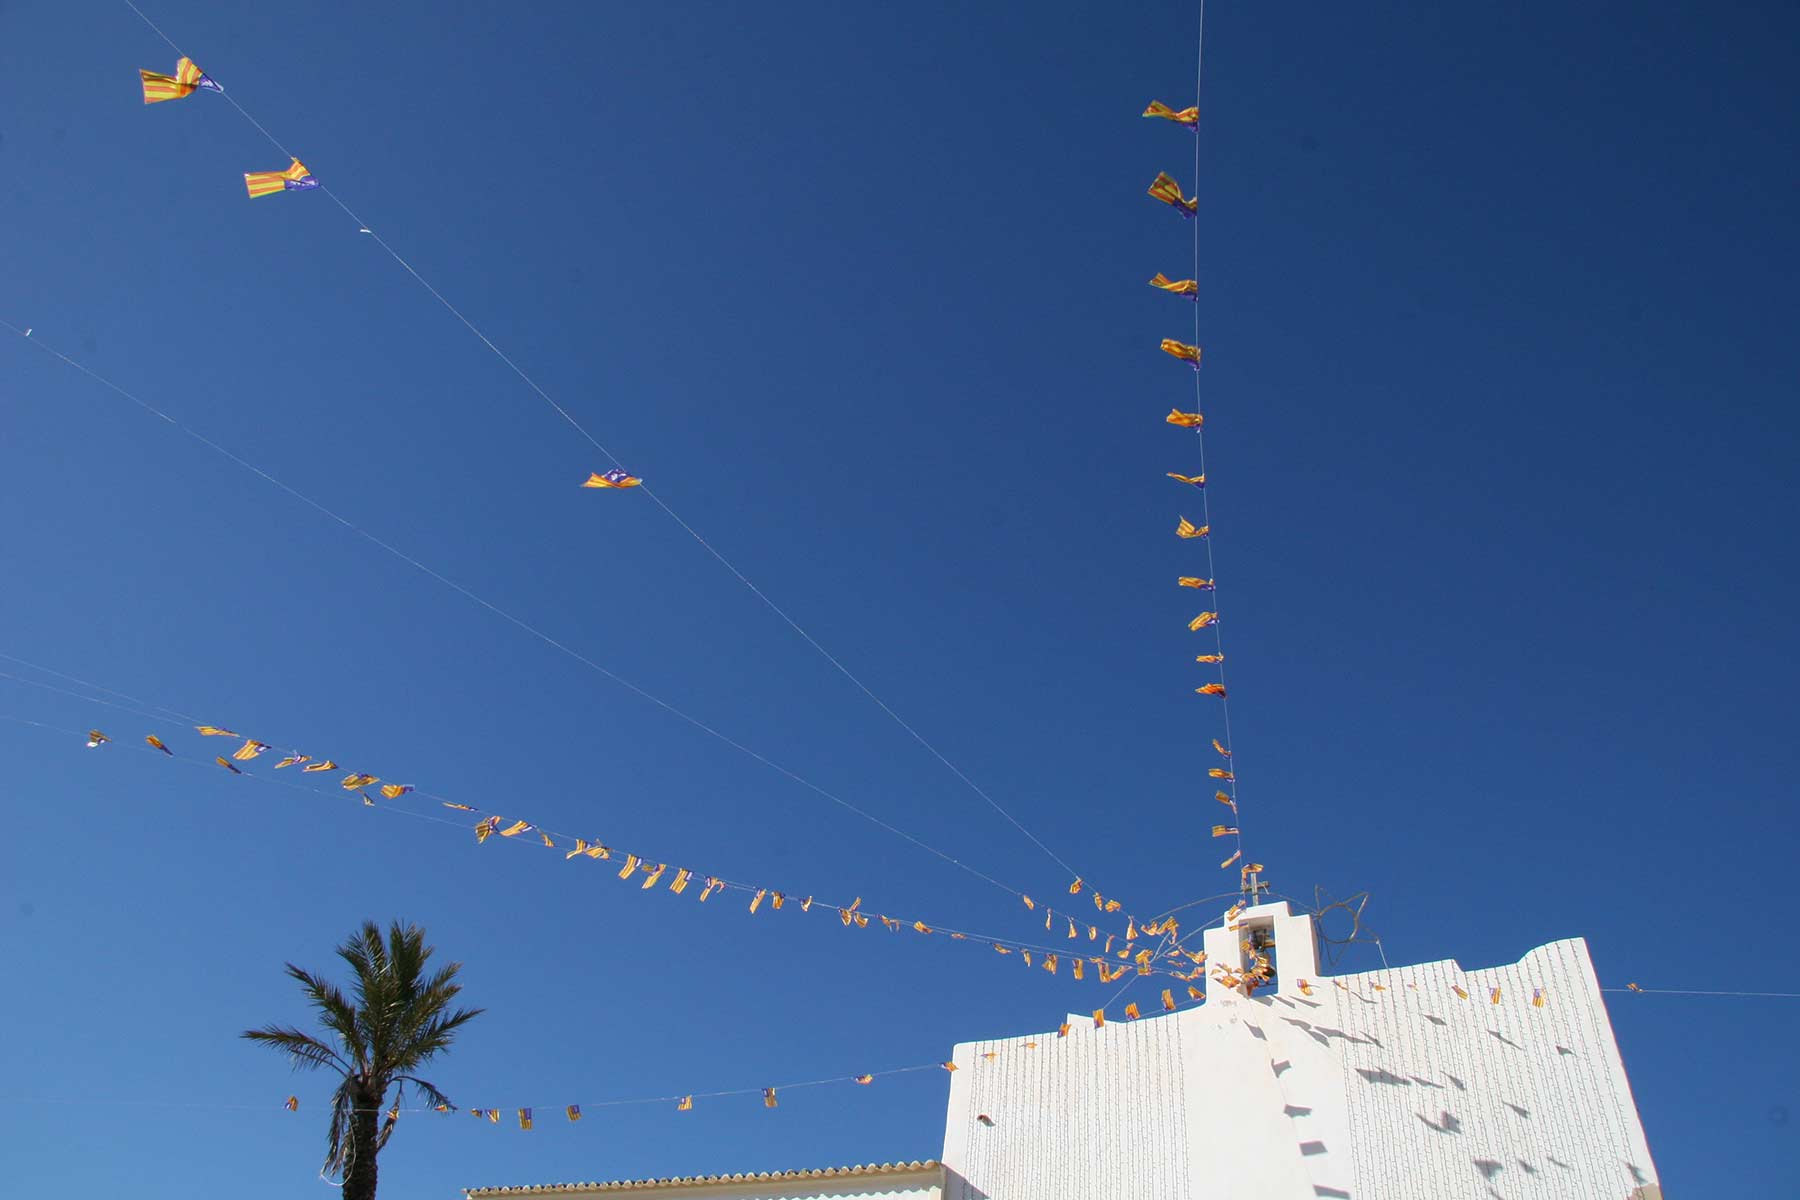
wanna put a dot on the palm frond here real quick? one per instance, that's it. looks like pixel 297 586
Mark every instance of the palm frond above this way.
pixel 305 1051
pixel 339 1147
pixel 336 1012
pixel 430 1089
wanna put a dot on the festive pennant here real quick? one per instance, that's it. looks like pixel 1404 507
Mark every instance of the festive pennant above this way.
pixel 1185 353
pixel 96 739
pixel 1198 481
pixel 1494 996
pixel 393 791
pixel 1537 997
pixel 614 478
pixel 1220 748
pixel 1050 963
pixel 574 1111
pixel 1223 798
pixel 322 765
pixel 1221 773
pixel 184 82
pixel 249 750
pixel 1168 1000
pixel 1076 966
pixel 1177 287
pixel 1632 987
pixel 355 780
pixel 292 760
pixel 215 731
pixel 226 763
pixel 1223 831
pixel 1131 1012
pixel 1460 994
pixel 266 183
pixel 1169 192
pixel 292 1104
pixel 685 1105
pixel 948 1066
pixel 1236 854
pixel 1176 417
pixel 1062 1030
pixel 864 1079
pixel 1187 529
pixel 156 743
pixel 1099 1018
pixel 756 900
pixel 652 877
pixel 1029 902
pixel 1209 658
pixel 1186 116
pixel 1211 689
pixel 1202 621
pixel 631 864
pixel 682 875
pixel 1194 581
pixel 768 1097
pixel 516 828
pixel 921 927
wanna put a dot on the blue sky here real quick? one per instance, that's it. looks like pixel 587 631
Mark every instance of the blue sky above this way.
pixel 1500 438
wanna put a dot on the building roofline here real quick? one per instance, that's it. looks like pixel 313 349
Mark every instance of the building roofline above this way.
pixel 800 1176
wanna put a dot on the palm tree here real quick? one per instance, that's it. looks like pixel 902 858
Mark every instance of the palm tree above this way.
pixel 399 1021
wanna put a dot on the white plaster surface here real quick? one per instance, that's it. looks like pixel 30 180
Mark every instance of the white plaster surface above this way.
pixel 1397 1092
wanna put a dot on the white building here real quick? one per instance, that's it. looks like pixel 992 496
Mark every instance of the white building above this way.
pixel 1412 1083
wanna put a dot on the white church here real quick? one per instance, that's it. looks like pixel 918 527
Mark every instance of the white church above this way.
pixel 1428 1082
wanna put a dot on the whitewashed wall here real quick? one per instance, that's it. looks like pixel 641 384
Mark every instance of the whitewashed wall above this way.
pixel 1407 1093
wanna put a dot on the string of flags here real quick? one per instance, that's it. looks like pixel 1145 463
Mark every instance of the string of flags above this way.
pixel 1168 1002
pixel 1107 956
pixel 1167 190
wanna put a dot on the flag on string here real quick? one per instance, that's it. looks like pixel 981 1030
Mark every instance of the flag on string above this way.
pixel 1177 287
pixel 614 478
pixel 864 1079
pixel 292 760
pixel 215 731
pixel 631 865
pixel 266 183
pixel 1494 996
pixel 368 800
pixel 1221 749
pixel 1209 658
pixel 356 780
pixel 292 1104
pixel 679 885
pixel 1062 1030
pixel 685 1105
pixel 1187 529
pixel 1131 1012
pixel 756 900
pixel 1211 689
pixel 393 791
pixel 549 842
pixel 524 1118
pixel 1235 855
pixel 493 1116
pixel 226 763
pixel 1221 773
pixel 324 764
pixel 249 750
pixel 1075 888
pixel 1077 967
pixel 1169 192
pixel 1223 831
pixel 1029 902
pixel 1186 116
pixel 1183 419
pixel 1100 1016
pixel 574 1111
pixel 948 1066
pixel 1194 581
pixel 651 879
pixel 1168 1000
pixel 156 743
pixel 1202 621
pixel 484 827
pixel 187 79
pixel 1537 997
pixel 1198 481
pixel 921 927
pixel 96 739
pixel 1185 353
pixel 1460 994
pixel 516 828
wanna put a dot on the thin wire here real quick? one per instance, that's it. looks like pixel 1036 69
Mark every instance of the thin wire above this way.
pixel 533 630
pixel 364 227
pixel 1687 992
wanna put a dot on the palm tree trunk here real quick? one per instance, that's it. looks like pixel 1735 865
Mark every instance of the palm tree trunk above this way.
pixel 359 1179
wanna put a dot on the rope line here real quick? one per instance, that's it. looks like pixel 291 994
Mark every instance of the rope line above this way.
pixel 576 425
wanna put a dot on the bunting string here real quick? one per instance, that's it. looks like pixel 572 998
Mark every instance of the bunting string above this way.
pixel 297 177
pixel 644 871
pixel 1223 778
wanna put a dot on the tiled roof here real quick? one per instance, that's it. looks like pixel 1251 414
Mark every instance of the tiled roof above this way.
pixel 619 1185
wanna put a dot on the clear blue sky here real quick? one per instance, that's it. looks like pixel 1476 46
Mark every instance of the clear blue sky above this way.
pixel 1497 310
